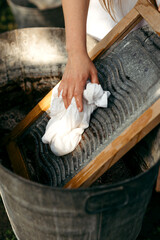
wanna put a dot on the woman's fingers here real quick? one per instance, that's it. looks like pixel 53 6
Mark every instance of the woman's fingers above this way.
pixel 64 96
pixel 75 89
pixel 78 70
pixel 94 77
pixel 70 94
pixel 60 88
pixel 79 99
pixel 78 92
pixel 64 91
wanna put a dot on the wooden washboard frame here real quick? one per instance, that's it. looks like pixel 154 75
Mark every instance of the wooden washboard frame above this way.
pixel 129 138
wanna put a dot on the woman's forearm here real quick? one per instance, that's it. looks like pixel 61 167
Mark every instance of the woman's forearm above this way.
pixel 79 67
pixel 75 14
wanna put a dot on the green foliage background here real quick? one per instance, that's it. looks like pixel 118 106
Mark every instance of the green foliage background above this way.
pixel 6 18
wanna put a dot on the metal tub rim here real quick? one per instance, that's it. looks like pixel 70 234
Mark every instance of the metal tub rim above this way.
pixel 33 8
pixel 100 187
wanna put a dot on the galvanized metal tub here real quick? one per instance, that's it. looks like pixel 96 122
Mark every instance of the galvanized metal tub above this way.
pixel 28 15
pixel 107 212
pixel 36 211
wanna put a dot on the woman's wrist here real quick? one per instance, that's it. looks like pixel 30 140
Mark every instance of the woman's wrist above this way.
pixel 77 52
pixel 76 48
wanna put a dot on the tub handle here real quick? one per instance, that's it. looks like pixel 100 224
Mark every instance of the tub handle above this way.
pixel 108 200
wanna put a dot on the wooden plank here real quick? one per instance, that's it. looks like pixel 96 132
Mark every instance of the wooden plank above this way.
pixel 150 14
pixel 117 148
pixel 158 182
pixel 17 161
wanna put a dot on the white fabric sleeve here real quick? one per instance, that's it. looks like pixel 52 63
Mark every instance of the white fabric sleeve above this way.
pixel 158 2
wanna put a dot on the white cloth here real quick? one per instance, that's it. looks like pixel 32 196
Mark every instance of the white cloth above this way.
pixel 99 22
pixel 64 129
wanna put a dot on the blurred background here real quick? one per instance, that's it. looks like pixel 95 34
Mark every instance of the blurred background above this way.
pixel 7 22
pixel 151 224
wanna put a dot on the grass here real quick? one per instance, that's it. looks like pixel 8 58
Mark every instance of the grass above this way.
pixel 7 21
pixel 9 235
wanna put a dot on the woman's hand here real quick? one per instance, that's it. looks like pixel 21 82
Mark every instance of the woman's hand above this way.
pixel 79 67
pixel 78 70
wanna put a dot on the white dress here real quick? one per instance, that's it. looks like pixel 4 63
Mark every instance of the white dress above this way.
pixel 99 22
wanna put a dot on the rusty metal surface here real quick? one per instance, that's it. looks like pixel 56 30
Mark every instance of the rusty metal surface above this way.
pixel 131 73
